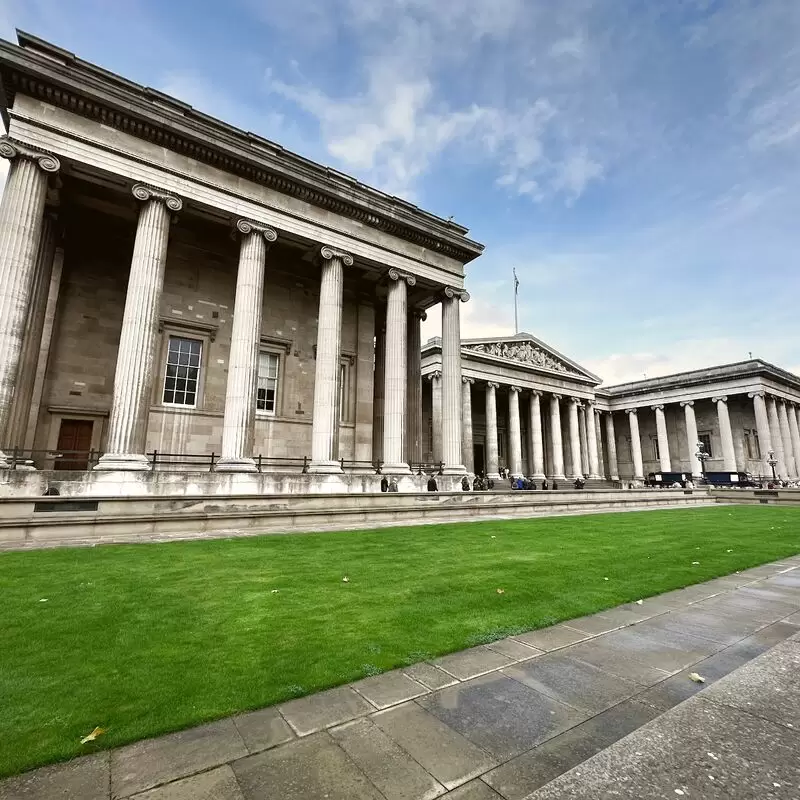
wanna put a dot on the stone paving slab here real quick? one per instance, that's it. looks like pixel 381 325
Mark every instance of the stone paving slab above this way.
pixel 512 713
pixel 87 778
pixel 151 762
pixel 697 749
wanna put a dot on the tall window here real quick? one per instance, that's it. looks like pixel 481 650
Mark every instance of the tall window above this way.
pixel 751 444
pixel 343 392
pixel 656 451
pixel 705 438
pixel 267 386
pixel 183 372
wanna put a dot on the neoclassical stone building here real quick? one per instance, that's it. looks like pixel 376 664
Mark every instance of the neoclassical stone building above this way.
pixel 187 308
pixel 530 409
pixel 172 285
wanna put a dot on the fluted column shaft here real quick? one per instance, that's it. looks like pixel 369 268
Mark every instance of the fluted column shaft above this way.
pixel 663 439
pixel 325 419
pixel 574 438
pixel 786 435
pixel 794 432
pixel 240 393
pixel 636 445
pixel 537 441
pixel 514 432
pixel 413 437
pixel 436 411
pixel 133 378
pixel 691 438
pixel 379 385
pixel 467 450
pixel 584 436
pixel 451 380
pixel 611 445
pixel 591 435
pixel 555 436
pixel 726 435
pixel 492 454
pixel 21 220
pixel 29 355
pixel 775 436
pixel 762 426
pixel 395 378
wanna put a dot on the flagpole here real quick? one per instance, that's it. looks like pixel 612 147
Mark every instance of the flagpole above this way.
pixel 516 315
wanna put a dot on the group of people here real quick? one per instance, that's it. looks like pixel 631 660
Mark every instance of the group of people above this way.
pixel 528 484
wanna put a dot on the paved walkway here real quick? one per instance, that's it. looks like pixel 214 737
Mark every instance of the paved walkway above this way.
pixel 492 722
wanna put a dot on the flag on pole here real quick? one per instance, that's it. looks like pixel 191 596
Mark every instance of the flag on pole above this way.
pixel 516 281
pixel 516 288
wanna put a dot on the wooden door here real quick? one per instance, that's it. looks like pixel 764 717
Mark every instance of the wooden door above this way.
pixel 75 441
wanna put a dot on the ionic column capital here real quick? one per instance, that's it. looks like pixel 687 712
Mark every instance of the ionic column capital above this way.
pixel 451 292
pixel 535 393
pixel 575 400
pixel 145 193
pixel 328 253
pixel 685 403
pixel 11 149
pixel 434 376
pixel 419 313
pixel 492 385
pixel 555 396
pixel 398 275
pixel 247 226
pixel 659 407
pixel 757 394
pixel 515 389
pixel 721 399
pixel 631 411
pixel 465 379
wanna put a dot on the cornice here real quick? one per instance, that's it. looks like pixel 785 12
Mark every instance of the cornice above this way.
pixel 55 76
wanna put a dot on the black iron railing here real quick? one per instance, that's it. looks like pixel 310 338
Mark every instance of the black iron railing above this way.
pixel 20 458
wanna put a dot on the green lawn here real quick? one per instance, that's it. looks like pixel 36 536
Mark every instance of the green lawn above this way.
pixel 145 639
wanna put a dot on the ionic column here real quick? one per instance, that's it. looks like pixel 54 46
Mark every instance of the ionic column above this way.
pixel 611 444
pixel 794 431
pixel 451 380
pixel 691 438
pixel 378 385
pixel 395 380
pixel 32 339
pixel 762 426
pixel 775 436
pixel 636 444
pixel 537 456
pixel 584 439
pixel 726 434
pixel 133 378
pixel 663 439
pixel 492 456
pixel 574 438
pixel 436 415
pixel 591 435
pixel 413 437
pixel 555 435
pixel 21 221
pixel 467 450
pixel 240 392
pixel 325 419
pixel 601 461
pixel 514 432
pixel 786 435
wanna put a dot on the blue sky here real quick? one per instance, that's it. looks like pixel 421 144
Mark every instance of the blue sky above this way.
pixel 637 162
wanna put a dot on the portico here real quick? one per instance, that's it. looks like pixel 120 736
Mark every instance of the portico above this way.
pixel 216 296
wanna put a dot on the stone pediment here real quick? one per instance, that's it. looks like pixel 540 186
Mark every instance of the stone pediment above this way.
pixel 528 351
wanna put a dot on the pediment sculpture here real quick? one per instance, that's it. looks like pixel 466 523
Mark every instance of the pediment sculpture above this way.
pixel 524 352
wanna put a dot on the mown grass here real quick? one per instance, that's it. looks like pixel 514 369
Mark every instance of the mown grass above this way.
pixel 145 639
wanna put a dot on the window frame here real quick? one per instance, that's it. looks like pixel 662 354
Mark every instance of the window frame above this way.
pixel 165 376
pixel 281 348
pixel 345 399
pixel 268 351
pixel 656 449
pixel 702 436
pixel 751 439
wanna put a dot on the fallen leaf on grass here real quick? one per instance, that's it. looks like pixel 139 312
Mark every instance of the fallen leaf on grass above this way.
pixel 693 676
pixel 639 602
pixel 43 600
pixel 275 591
pixel 605 579
pixel 345 579
pixel 695 562
pixel 501 591
pixel 90 737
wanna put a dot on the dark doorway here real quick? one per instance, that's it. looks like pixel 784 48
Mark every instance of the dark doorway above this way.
pixel 75 440
pixel 480 463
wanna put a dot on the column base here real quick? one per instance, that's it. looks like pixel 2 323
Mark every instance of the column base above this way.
pixel 123 462
pixel 236 465
pixel 594 477
pixel 557 478
pixel 538 476
pixel 454 469
pixel 493 476
pixel 396 469
pixel 325 468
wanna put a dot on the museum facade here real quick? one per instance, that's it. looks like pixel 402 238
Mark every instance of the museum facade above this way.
pixel 182 298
